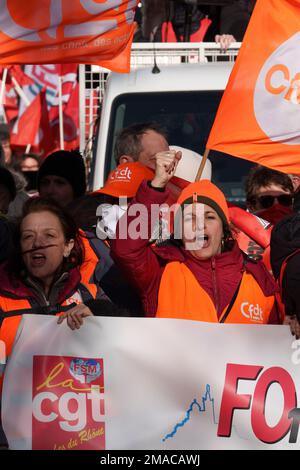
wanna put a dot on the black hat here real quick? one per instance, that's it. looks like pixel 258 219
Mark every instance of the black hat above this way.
pixel 68 165
pixel 7 179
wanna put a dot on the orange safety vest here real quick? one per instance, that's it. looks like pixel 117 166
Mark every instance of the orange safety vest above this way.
pixel 89 264
pixel 181 296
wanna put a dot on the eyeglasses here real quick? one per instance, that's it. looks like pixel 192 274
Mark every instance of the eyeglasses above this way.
pixel 268 201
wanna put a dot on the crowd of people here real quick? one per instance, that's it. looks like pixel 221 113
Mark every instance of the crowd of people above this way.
pixel 67 254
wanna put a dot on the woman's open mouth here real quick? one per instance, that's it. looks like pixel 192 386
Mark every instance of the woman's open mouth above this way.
pixel 202 241
pixel 37 259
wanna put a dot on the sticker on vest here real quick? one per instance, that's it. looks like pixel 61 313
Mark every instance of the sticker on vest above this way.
pixel 252 312
pixel 75 298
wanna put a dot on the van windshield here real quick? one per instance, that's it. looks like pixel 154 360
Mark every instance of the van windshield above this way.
pixel 187 118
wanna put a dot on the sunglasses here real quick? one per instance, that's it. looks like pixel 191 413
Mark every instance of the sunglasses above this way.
pixel 268 201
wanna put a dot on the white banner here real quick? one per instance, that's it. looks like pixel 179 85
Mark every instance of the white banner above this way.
pixel 126 383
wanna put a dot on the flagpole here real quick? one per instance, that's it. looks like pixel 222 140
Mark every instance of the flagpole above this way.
pixel 20 91
pixel 202 165
pixel 91 114
pixel 2 91
pixel 28 147
pixel 60 108
pixel 3 82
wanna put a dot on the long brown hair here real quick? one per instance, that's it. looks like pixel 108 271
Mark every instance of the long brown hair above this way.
pixel 69 227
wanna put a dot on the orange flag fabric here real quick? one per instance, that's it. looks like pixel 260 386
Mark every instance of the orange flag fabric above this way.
pixel 259 116
pixel 63 31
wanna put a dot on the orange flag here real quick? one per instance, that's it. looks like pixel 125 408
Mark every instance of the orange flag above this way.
pixel 67 31
pixel 259 115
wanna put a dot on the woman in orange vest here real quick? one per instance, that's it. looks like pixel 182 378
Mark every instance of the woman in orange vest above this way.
pixel 49 275
pixel 202 275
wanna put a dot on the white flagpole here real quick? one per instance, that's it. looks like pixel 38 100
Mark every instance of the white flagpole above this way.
pixel 20 91
pixel 91 113
pixel 2 91
pixel 60 108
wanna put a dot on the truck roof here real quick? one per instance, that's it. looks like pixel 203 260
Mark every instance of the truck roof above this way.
pixel 200 76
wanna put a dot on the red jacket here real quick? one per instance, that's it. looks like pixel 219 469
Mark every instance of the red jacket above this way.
pixel 219 276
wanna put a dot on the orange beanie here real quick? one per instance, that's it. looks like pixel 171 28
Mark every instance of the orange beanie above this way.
pixel 206 193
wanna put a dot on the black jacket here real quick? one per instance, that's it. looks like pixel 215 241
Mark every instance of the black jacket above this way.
pixel 285 241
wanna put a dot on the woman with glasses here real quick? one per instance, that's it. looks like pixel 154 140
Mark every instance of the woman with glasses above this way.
pixel 269 193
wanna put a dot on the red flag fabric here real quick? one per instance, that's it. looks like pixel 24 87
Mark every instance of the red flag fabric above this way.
pixel 26 127
pixel 45 81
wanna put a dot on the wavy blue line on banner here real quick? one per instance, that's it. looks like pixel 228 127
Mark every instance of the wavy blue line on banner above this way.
pixel 201 408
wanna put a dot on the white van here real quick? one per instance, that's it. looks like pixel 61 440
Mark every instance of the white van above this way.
pixel 183 99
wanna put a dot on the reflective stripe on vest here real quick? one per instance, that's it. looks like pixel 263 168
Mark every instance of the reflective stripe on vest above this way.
pixel 181 296
pixel 88 266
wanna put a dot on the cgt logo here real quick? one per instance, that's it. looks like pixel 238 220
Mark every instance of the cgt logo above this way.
pixel 68 409
pixel 252 312
pixel 277 94
pixel 257 402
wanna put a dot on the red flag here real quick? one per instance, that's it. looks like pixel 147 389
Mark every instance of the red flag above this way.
pixel 46 78
pixel 16 72
pixel 26 127
pixel 45 141
pixel 10 103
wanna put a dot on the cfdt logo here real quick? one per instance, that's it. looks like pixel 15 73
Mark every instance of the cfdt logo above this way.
pixel 277 94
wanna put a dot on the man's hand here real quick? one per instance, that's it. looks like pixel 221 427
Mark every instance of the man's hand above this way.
pixel 224 40
pixel 165 167
pixel 75 316
pixel 293 324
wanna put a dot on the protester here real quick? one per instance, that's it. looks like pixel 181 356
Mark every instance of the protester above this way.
pixel 49 273
pixel 2 159
pixel 29 167
pixel 269 193
pixel 30 162
pixel 8 190
pixel 285 260
pixel 62 177
pixel 234 19
pixel 16 206
pixel 194 21
pixel 296 185
pixel 140 142
pixel 9 157
pixel 98 213
pixel 203 275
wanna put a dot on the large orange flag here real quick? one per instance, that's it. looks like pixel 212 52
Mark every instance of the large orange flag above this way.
pixel 67 31
pixel 259 116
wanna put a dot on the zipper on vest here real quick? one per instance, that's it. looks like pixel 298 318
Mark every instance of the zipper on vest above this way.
pixel 215 287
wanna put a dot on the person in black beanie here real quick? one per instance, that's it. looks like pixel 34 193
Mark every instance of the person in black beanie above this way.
pixel 62 177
